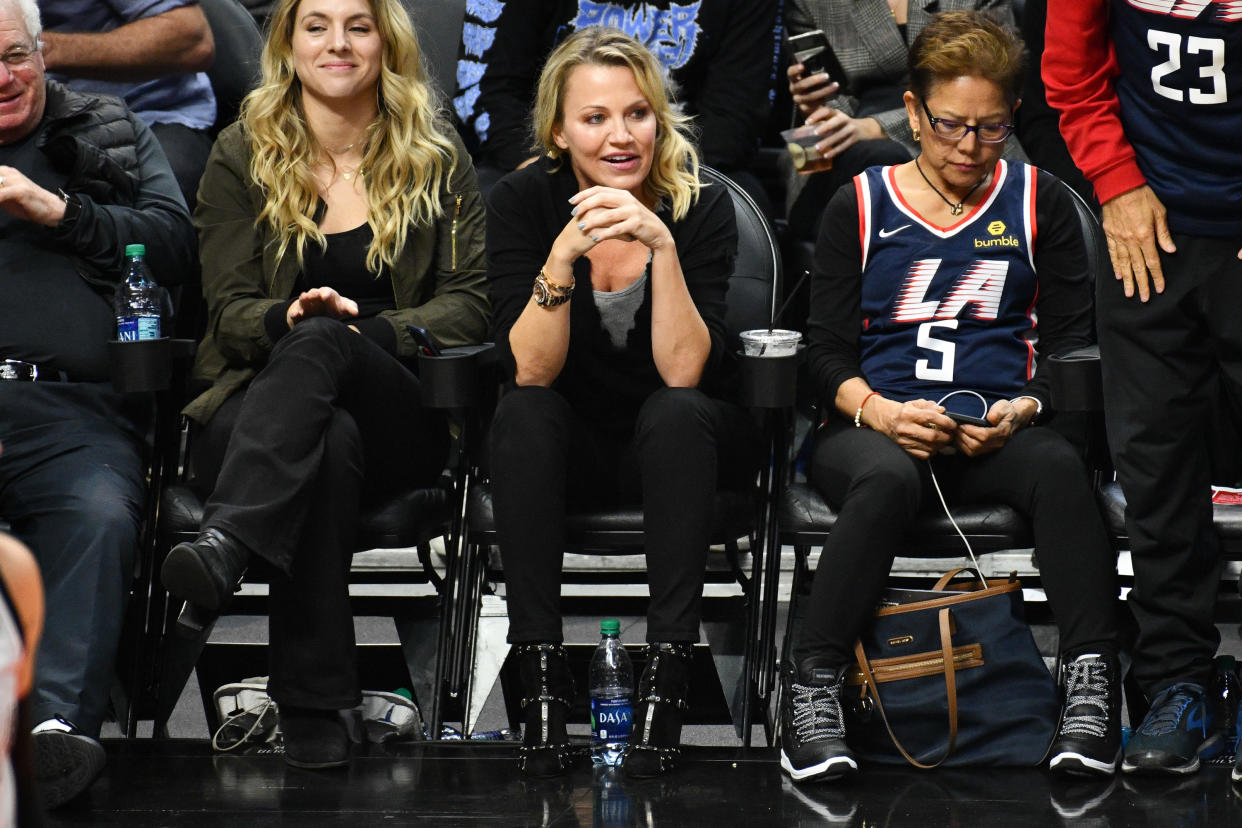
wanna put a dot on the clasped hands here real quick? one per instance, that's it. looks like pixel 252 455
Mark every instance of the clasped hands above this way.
pixel 922 428
pixel 603 213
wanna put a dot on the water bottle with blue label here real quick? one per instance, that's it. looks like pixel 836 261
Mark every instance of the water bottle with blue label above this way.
pixel 137 303
pixel 612 686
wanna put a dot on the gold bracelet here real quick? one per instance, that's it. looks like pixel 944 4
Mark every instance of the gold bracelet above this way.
pixel 554 287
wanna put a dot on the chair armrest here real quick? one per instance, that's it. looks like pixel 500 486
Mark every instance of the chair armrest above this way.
pixel 1076 380
pixel 768 382
pixel 453 378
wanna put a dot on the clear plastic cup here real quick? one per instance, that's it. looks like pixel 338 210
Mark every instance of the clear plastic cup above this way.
pixel 801 141
pixel 770 343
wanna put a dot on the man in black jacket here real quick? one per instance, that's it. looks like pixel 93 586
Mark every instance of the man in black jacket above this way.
pixel 80 177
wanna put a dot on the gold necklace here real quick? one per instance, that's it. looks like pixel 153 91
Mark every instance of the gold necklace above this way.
pixel 345 173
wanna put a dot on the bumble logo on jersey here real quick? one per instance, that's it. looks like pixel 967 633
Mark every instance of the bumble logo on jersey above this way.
pixel 997 230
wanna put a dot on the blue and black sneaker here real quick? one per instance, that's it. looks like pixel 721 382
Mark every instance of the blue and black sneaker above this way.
pixel 1178 730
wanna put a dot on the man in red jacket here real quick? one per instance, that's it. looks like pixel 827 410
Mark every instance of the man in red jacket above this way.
pixel 1150 95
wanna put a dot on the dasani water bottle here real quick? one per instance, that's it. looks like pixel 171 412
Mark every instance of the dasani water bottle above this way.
pixel 137 302
pixel 612 685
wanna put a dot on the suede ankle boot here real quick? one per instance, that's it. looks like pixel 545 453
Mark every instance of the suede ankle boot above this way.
pixel 206 570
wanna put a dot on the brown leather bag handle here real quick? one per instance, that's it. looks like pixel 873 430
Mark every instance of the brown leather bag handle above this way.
pixel 950 688
pixel 953 573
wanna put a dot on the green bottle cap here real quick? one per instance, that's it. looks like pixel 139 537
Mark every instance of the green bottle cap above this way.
pixel 609 626
pixel 132 250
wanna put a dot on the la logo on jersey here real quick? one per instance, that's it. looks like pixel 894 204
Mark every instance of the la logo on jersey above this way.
pixel 1227 10
pixel 980 288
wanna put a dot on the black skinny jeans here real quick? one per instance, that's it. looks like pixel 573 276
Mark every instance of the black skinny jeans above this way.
pixel 878 489
pixel 330 420
pixel 546 460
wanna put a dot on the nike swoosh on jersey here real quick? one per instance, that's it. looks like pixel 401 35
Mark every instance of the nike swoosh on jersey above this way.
pixel 884 234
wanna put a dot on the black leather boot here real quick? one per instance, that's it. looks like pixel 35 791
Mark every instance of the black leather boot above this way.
pixel 547 695
pixel 655 741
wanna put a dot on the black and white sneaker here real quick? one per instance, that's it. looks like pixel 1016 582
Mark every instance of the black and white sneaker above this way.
pixel 1089 739
pixel 812 729
pixel 66 762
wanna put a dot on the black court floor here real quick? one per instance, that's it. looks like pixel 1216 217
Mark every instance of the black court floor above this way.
pixel 182 783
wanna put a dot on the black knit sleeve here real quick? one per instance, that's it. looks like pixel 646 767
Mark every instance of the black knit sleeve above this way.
pixel 1064 304
pixel 836 298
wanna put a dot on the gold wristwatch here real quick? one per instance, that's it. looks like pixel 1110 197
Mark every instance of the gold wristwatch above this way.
pixel 549 294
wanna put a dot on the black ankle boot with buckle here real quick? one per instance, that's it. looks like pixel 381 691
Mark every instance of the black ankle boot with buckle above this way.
pixel 547 695
pixel 655 741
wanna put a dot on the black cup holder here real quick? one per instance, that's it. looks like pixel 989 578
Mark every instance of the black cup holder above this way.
pixel 145 365
pixel 769 382
pixel 1076 381
pixel 450 380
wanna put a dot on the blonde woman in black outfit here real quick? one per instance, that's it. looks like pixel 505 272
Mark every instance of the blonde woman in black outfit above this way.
pixel 608 263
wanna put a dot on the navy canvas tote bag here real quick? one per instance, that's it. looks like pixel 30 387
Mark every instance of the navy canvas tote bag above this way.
pixel 951 676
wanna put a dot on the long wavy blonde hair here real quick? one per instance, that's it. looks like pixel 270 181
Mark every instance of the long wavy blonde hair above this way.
pixel 675 169
pixel 407 152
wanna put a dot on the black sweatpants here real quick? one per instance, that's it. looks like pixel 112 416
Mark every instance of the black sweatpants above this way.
pixel 1164 361
pixel 332 419
pixel 878 489
pixel 547 460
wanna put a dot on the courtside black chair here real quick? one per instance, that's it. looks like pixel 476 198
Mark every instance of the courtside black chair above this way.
pixel 805 519
pixel 754 289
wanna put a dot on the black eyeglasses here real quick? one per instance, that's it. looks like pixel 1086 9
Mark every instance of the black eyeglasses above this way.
pixel 956 130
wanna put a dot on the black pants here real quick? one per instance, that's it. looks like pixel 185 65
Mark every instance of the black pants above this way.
pixel 805 213
pixel 186 150
pixel 72 487
pixel 878 489
pixel 1164 361
pixel 546 460
pixel 332 419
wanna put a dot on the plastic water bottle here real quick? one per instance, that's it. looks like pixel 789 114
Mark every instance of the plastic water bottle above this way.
pixel 137 302
pixel 612 685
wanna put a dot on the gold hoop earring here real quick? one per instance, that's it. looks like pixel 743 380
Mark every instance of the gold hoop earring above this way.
pixel 916 134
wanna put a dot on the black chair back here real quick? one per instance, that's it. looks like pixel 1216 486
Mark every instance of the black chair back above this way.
pixel 1093 235
pixel 755 287
pixel 438 25
pixel 235 70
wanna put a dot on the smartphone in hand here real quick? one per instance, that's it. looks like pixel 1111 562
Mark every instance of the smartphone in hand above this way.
pixel 815 53
pixel 967 419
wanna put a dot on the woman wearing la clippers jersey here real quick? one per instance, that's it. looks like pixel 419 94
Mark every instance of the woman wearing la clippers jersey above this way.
pixel 929 277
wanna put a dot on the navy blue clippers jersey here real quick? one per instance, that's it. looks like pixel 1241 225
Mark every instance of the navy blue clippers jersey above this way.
pixel 952 308
pixel 1180 92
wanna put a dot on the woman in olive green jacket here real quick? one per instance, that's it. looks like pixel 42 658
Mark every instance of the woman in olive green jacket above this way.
pixel 339 210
